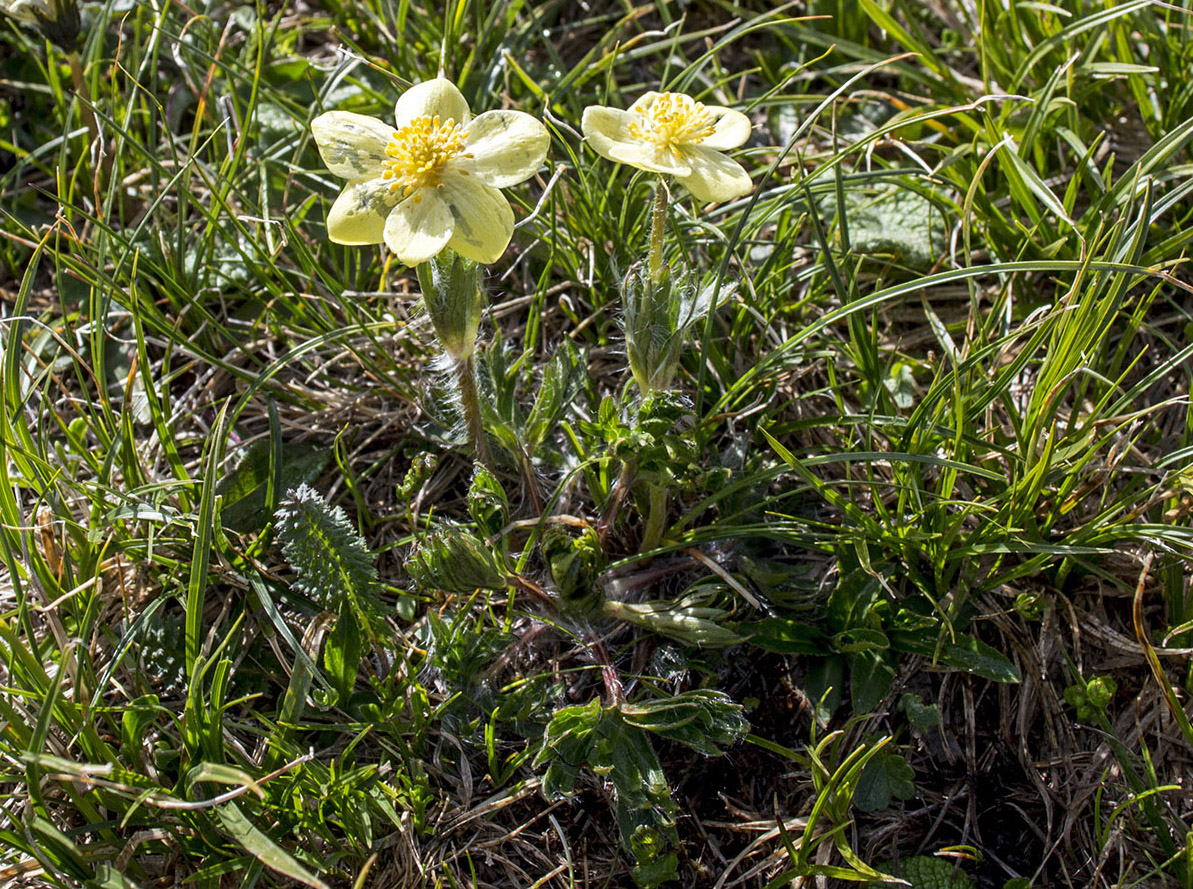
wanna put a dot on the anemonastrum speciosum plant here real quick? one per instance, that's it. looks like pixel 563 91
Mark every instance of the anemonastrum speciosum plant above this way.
pixel 428 188
pixel 670 134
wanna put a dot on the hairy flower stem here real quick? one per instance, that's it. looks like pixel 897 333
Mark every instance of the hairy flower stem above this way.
pixel 530 483
pixel 471 404
pixel 658 226
pixel 609 675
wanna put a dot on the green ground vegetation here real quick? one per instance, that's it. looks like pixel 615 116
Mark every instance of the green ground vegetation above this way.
pixel 890 581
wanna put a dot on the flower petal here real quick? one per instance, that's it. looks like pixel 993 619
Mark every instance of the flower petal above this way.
pixel 732 129
pixel 642 105
pixel 419 227
pixel 430 98
pixel 608 132
pixel 358 215
pixel 504 148
pixel 484 222
pixel 715 177
pixel 351 145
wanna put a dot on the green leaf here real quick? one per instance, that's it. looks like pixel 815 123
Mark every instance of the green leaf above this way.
pixel 220 773
pixel 892 222
pixel 966 653
pixel 567 745
pixel 341 654
pixel 645 809
pixel 923 717
pixel 243 491
pixel 261 847
pixel 487 502
pixel 108 877
pixel 902 386
pixel 560 383
pixel 327 553
pixel 703 719
pixel 138 715
pixel 887 776
pixel 655 861
pixel 685 620
pixel 58 849
pixel 870 678
pixel 975 656
pixel 619 750
pixel 825 686
pixel 926 872
pixel 784 636
pixel 860 639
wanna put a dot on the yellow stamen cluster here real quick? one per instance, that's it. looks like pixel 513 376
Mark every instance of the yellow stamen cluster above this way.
pixel 674 120
pixel 419 151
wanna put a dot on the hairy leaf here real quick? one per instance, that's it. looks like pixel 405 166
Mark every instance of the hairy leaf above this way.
pixel 326 552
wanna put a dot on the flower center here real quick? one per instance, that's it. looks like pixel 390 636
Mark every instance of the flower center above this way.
pixel 419 151
pixel 674 120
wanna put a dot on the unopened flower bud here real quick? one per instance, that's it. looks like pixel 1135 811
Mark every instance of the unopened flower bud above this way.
pixel 457 562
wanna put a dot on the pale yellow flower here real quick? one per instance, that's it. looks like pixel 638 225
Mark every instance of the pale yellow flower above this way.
pixel 674 134
pixel 430 182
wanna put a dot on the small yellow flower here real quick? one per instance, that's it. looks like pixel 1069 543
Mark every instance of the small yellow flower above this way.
pixel 430 182
pixel 674 134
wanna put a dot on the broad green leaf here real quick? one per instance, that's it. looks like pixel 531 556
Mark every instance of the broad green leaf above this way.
pixel 926 872
pixel 966 653
pixel 825 686
pixel 860 639
pixel 870 678
pixel 923 717
pixel 567 746
pixel 784 636
pixel 893 223
pixel 341 654
pixel 886 776
pixel 108 877
pixel 243 507
pixel 704 719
